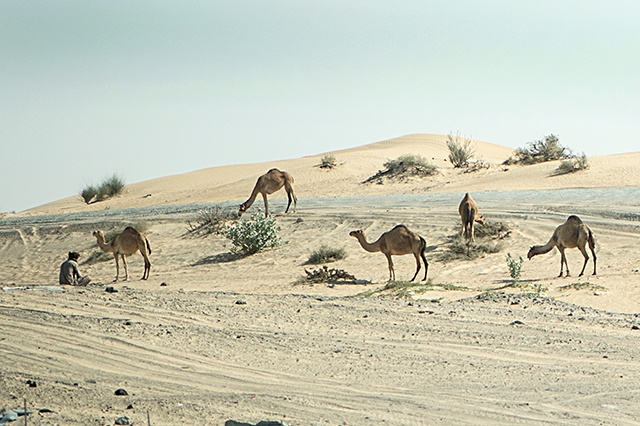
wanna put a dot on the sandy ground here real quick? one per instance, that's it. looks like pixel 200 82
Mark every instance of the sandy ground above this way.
pixel 209 338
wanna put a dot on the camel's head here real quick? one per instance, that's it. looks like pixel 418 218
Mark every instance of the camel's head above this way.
pixel 531 253
pixel 98 234
pixel 243 208
pixel 480 219
pixel 355 233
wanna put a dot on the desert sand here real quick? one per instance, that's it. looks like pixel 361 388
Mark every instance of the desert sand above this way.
pixel 210 337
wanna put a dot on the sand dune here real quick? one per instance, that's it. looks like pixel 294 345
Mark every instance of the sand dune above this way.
pixel 209 338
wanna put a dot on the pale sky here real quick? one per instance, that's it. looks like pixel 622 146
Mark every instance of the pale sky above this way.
pixel 145 89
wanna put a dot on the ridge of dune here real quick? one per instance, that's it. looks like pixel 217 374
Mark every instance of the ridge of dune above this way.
pixel 233 183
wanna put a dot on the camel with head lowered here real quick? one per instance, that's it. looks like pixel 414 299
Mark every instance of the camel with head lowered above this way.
pixel 127 242
pixel 267 184
pixel 571 234
pixel 469 214
pixel 399 241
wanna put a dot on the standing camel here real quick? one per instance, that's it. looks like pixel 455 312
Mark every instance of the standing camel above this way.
pixel 267 184
pixel 573 233
pixel 400 240
pixel 469 214
pixel 127 242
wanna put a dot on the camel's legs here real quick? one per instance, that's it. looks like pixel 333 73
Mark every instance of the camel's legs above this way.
pixel 418 266
pixel 594 259
pixel 266 205
pixel 147 268
pixel 392 272
pixel 563 260
pixel 126 271
pixel 117 268
pixel 583 250
pixel 426 265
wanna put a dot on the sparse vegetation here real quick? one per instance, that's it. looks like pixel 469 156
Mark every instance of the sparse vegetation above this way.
pixel 251 236
pixel 488 241
pixel 326 254
pixel 540 151
pixel 515 267
pixel 109 188
pixel 405 166
pixel 213 220
pixel 408 289
pixel 460 150
pixel 573 164
pixel 328 162
pixel 329 276
pixel 586 285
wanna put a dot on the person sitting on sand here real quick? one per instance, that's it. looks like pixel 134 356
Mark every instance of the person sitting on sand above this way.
pixel 69 272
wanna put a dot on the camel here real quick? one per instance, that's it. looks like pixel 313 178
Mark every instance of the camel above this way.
pixel 400 240
pixel 267 184
pixel 469 214
pixel 127 242
pixel 571 234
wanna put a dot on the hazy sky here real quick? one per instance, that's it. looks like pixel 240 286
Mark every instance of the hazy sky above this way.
pixel 145 89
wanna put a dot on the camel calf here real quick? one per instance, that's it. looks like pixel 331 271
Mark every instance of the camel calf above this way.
pixel 469 214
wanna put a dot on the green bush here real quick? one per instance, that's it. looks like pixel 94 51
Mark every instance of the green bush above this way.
pixel 326 254
pixel 547 149
pixel 251 236
pixel 460 150
pixel 573 164
pixel 515 266
pixel 328 162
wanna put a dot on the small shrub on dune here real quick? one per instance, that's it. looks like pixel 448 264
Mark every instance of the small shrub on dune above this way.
pixel 460 150
pixel 573 164
pixel 110 187
pixel 328 162
pixel 405 166
pixel 540 151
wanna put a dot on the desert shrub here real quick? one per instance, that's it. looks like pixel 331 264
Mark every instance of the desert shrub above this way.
pixel 110 187
pixel 405 166
pixel 515 266
pixel 489 240
pixel 89 193
pixel 251 236
pixel 212 220
pixel 326 254
pixel 460 150
pixel 328 162
pixel 540 151
pixel 573 164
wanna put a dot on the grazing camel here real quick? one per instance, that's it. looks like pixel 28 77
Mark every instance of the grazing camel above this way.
pixel 469 214
pixel 400 240
pixel 267 184
pixel 573 233
pixel 127 242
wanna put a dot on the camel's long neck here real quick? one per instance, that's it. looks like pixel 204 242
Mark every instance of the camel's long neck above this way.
pixel 545 248
pixel 252 198
pixel 107 248
pixel 370 247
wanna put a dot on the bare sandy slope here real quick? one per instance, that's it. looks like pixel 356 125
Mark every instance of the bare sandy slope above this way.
pixel 247 339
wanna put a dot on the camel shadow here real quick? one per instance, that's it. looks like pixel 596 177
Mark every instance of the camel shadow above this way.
pixel 226 257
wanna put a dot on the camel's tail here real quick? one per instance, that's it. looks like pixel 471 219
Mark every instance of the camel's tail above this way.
pixel 146 240
pixel 592 240
pixel 423 245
